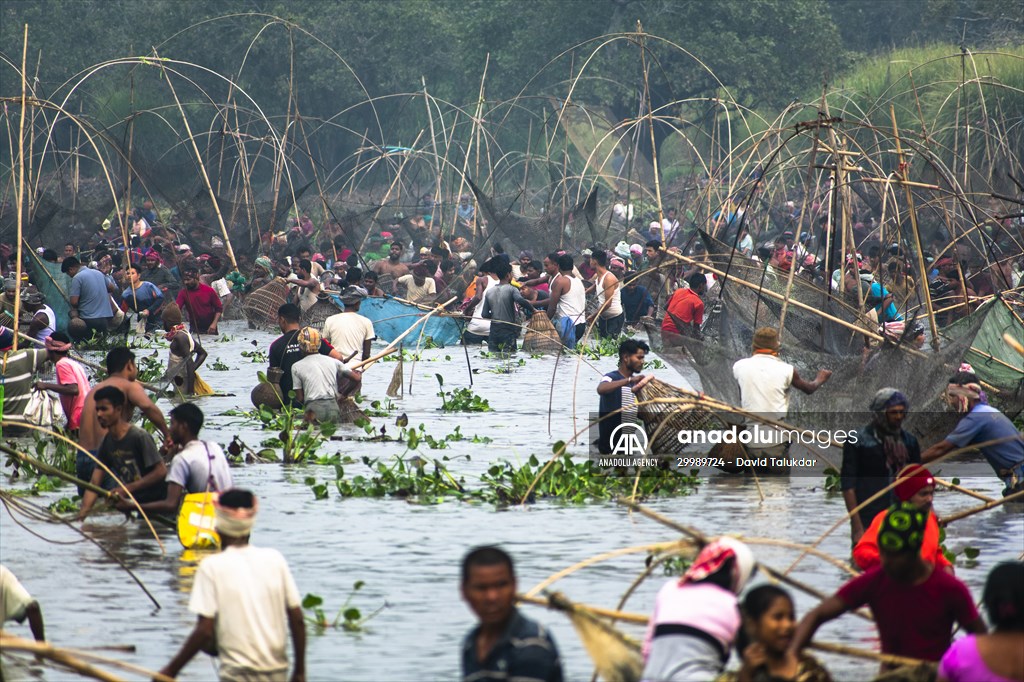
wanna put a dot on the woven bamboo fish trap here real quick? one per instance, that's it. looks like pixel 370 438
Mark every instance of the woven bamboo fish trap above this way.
pixel 663 421
pixel 261 306
pixel 541 336
pixel 317 314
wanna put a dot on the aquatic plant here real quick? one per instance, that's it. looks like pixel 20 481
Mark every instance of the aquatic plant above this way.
pixel 151 368
pixel 349 618
pixel 218 366
pixel 461 399
pixel 406 479
pixel 832 481
pixel 580 481
pixel 257 356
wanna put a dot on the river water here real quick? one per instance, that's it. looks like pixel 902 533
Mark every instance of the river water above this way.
pixel 408 555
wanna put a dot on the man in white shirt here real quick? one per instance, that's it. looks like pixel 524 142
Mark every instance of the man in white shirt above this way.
pixel 420 285
pixel 349 332
pixel 246 601
pixel 198 467
pixel 765 380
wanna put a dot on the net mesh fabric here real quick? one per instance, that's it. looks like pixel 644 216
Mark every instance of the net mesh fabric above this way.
pixel 728 338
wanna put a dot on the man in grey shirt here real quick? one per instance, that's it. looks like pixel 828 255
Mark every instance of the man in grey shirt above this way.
pixel 500 307
pixel 89 298
pixel 319 381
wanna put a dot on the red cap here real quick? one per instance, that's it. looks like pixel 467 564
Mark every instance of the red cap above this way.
pixel 911 479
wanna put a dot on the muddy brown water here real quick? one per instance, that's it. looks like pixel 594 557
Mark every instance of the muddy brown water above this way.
pixel 408 555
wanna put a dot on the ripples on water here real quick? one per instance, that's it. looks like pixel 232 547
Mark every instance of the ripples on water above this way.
pixel 409 555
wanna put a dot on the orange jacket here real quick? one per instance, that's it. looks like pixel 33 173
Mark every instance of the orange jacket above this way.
pixel 865 554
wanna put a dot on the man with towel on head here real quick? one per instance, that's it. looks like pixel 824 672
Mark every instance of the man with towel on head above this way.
pixel 872 461
pixel 319 380
pixel 246 600
pixel 72 382
pixel 981 423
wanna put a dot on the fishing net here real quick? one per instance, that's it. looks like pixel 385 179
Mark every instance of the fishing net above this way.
pixel 260 307
pixel 922 378
pixel 541 336
pixel 62 202
pixel 317 314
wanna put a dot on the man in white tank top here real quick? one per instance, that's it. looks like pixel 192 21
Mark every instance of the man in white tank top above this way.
pixel 44 321
pixel 610 315
pixel 567 306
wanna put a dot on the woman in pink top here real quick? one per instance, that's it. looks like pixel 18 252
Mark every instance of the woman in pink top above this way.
pixel 998 657
pixel 72 384
pixel 696 618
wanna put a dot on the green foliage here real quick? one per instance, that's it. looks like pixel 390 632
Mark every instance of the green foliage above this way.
pixel 673 565
pixel 832 481
pixel 579 482
pixel 151 368
pixel 320 490
pixel 218 366
pixel 461 399
pixel 348 618
pixel 257 356
pixel 412 480
pixel 66 505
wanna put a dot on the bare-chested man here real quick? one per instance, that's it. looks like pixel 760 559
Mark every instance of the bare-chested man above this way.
pixel 122 373
pixel 392 266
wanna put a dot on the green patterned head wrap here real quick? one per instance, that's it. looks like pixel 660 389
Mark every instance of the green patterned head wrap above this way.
pixel 902 529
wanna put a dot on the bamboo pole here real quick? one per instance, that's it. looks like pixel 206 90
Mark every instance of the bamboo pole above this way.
pixel 800 222
pixel 202 168
pixel 437 159
pixel 640 619
pixel 21 186
pixel 69 658
pixel 53 471
pixel 477 122
pixel 650 127
pixel 1014 343
pixel 922 268
pixel 960 489
pixel 985 507
pixel 52 434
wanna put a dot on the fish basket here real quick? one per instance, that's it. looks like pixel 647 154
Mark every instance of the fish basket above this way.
pixel 317 314
pixel 260 307
pixel 663 421
pixel 541 336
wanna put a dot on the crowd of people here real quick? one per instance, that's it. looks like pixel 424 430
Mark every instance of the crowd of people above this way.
pixel 246 599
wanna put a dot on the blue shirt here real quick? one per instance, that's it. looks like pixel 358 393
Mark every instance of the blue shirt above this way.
pixel 91 288
pixel 985 423
pixel 880 292
pixel 525 653
pixel 148 297
pixel 635 303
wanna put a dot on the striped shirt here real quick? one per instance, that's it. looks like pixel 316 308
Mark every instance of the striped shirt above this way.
pixel 525 653
pixel 16 375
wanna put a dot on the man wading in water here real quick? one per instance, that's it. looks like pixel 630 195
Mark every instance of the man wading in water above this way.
pixel 245 597
pixel 506 645
pixel 764 381
pixel 617 390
